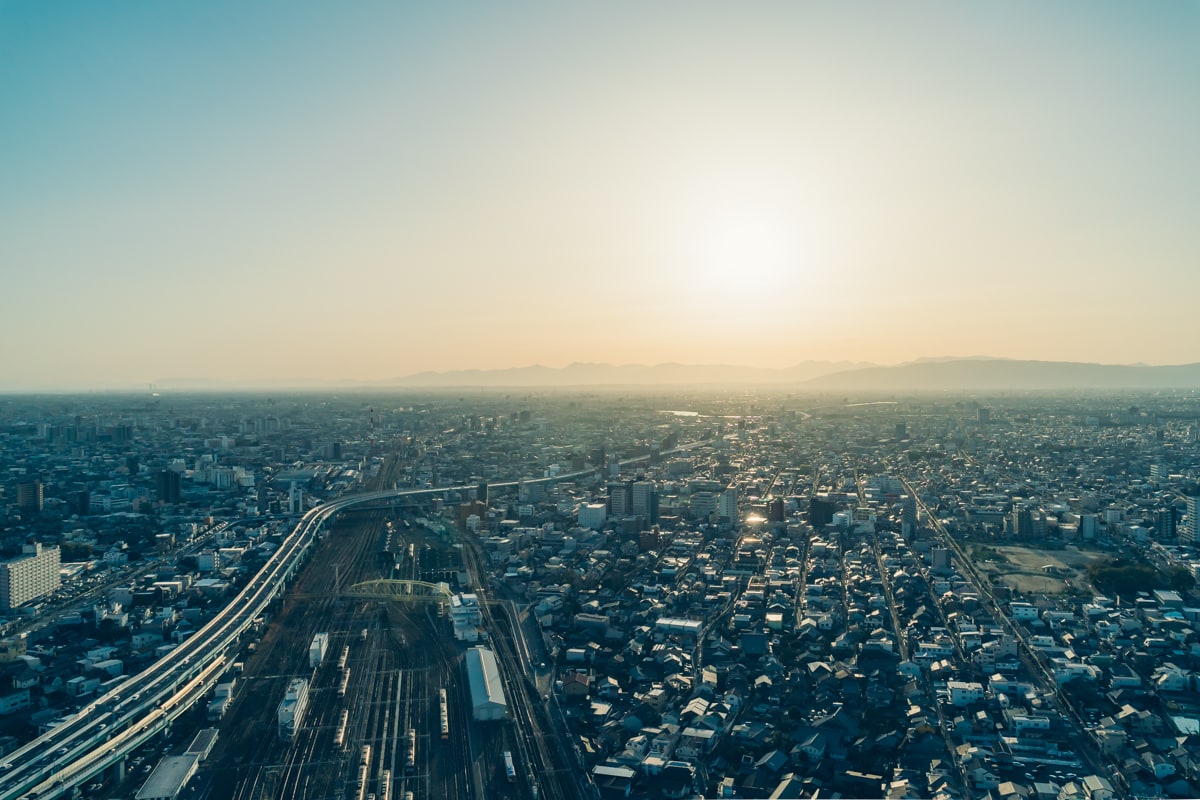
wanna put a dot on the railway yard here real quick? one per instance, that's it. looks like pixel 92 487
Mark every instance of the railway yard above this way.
pixel 373 725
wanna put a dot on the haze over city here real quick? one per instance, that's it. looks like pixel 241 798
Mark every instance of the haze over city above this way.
pixel 242 192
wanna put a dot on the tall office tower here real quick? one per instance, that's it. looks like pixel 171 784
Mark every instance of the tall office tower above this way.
pixel 643 496
pixel 30 576
pixel 984 415
pixel 901 431
pixel 295 499
pixel 1190 531
pixel 29 496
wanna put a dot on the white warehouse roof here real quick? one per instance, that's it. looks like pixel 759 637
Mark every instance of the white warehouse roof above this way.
pixel 487 694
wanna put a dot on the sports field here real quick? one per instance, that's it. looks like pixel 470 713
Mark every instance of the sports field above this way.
pixel 1033 570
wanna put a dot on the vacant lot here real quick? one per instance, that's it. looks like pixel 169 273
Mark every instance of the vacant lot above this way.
pixel 1032 570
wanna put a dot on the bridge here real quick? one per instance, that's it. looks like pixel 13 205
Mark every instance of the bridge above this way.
pixel 399 591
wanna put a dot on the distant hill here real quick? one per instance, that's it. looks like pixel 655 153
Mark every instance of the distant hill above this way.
pixel 582 374
pixel 975 374
pixel 978 373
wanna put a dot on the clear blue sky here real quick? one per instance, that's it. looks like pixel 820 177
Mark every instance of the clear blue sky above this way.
pixel 240 190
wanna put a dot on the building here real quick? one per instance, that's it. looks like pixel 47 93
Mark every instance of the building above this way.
pixel 169 778
pixel 592 515
pixel 620 498
pixel 295 499
pixel 645 500
pixel 727 506
pixel 32 575
pixel 908 517
pixel 1166 526
pixel 168 485
pixel 29 496
pixel 487 694
pixel 465 616
pixel 1189 531
pixel 703 505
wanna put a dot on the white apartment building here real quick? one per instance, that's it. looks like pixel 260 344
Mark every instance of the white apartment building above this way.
pixel 30 576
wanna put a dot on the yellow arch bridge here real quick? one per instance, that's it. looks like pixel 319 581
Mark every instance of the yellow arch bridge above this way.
pixel 398 591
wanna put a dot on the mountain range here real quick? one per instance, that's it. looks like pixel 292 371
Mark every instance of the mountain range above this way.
pixel 584 374
pixel 929 374
pixel 977 373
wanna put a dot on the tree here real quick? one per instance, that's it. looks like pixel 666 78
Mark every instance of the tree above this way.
pixel 1181 579
pixel 75 551
pixel 1123 578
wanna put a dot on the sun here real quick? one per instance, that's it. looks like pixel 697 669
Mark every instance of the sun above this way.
pixel 745 250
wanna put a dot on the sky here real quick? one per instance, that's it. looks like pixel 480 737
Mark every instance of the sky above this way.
pixel 258 190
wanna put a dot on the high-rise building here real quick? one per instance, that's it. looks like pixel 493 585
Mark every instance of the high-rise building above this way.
pixel 592 515
pixel 1022 522
pixel 703 505
pixel 1166 524
pixel 908 517
pixel 295 499
pixel 32 575
pixel 727 508
pixel 29 496
pixel 644 496
pixel 169 486
pixel 1089 527
pixel 1190 531
pixel 620 498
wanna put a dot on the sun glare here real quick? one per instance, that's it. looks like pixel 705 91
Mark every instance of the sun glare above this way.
pixel 750 249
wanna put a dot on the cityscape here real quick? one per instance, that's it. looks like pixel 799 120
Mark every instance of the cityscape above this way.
pixel 585 594
pixel 584 401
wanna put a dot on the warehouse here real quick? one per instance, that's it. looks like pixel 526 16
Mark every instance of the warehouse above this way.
pixel 487 695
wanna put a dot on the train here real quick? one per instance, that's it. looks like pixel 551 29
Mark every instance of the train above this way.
pixel 344 658
pixel 339 739
pixel 510 771
pixel 444 713
pixel 385 785
pixel 364 774
pixel 410 754
pixel 345 683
